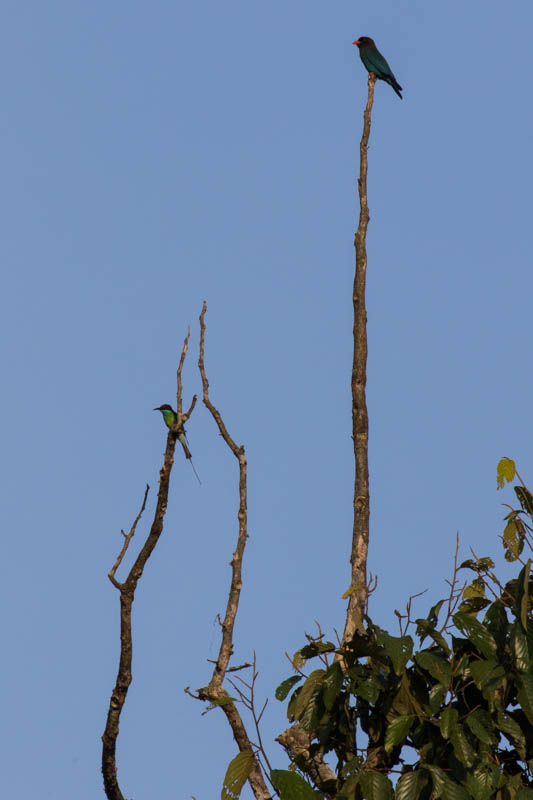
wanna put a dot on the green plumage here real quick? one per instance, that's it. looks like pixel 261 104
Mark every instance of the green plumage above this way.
pixel 170 417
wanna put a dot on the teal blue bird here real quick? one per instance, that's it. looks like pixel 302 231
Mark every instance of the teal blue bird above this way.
pixel 374 62
pixel 171 418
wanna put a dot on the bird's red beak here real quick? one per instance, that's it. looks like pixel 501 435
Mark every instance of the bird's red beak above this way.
pixel 356 42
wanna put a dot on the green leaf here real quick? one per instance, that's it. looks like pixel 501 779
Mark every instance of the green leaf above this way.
pixel 309 717
pixel 292 786
pixel 398 648
pixel 239 768
pixel 525 695
pixel 475 589
pixel 437 666
pixel 476 632
pixel 332 684
pixel 437 776
pixel 315 648
pixel 297 660
pixel 397 730
pixel 448 721
pixel 461 747
pixel 482 782
pixel 408 785
pixel 284 688
pixel 433 616
pixel 525 498
pixel 513 541
pixel 480 723
pixel 375 786
pixel 496 622
pixel 485 564
pixel 513 732
pixel 522 595
pixel 519 648
pixel 488 675
pixel 299 703
pixel 368 688
pixel 474 605
pixel 425 628
pixel 436 698
pixel 506 471
pixel 444 788
pixel 406 702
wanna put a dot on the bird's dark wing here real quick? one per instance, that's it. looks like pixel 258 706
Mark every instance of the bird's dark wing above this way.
pixel 376 63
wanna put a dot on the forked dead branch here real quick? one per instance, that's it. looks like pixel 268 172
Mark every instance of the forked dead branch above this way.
pixel 127 592
pixel 214 692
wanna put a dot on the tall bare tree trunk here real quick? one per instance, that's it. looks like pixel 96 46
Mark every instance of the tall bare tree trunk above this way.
pixel 358 597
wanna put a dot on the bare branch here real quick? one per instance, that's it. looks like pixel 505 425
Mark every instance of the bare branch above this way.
pixel 219 696
pixel 407 615
pixel 236 669
pixel 188 413
pixel 226 646
pixel 179 393
pixel 127 539
pixel 127 593
pixel 357 603
pixel 455 594
pixel 215 692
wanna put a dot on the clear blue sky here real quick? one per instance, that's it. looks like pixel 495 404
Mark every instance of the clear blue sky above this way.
pixel 156 154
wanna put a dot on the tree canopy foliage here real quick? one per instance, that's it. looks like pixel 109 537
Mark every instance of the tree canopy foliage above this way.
pixel 444 713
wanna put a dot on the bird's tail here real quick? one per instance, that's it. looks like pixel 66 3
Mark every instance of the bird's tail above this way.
pixel 183 441
pixel 194 470
pixel 188 455
pixel 396 86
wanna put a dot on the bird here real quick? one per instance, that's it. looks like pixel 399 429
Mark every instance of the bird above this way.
pixel 374 62
pixel 170 417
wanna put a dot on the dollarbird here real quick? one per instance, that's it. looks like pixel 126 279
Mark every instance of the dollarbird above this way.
pixel 374 62
pixel 170 417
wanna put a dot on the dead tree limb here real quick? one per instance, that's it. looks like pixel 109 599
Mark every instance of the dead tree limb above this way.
pixel 127 593
pixel 214 692
pixel 296 741
pixel 358 599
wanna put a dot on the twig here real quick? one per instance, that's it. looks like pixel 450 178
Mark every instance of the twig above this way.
pixel 127 593
pixel 182 418
pixel 248 700
pixel 127 539
pixel 237 669
pixel 407 615
pixel 215 692
pixel 455 594
pixel 257 717
pixel 357 603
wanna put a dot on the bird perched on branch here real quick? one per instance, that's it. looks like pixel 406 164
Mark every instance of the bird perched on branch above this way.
pixel 374 62
pixel 171 418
